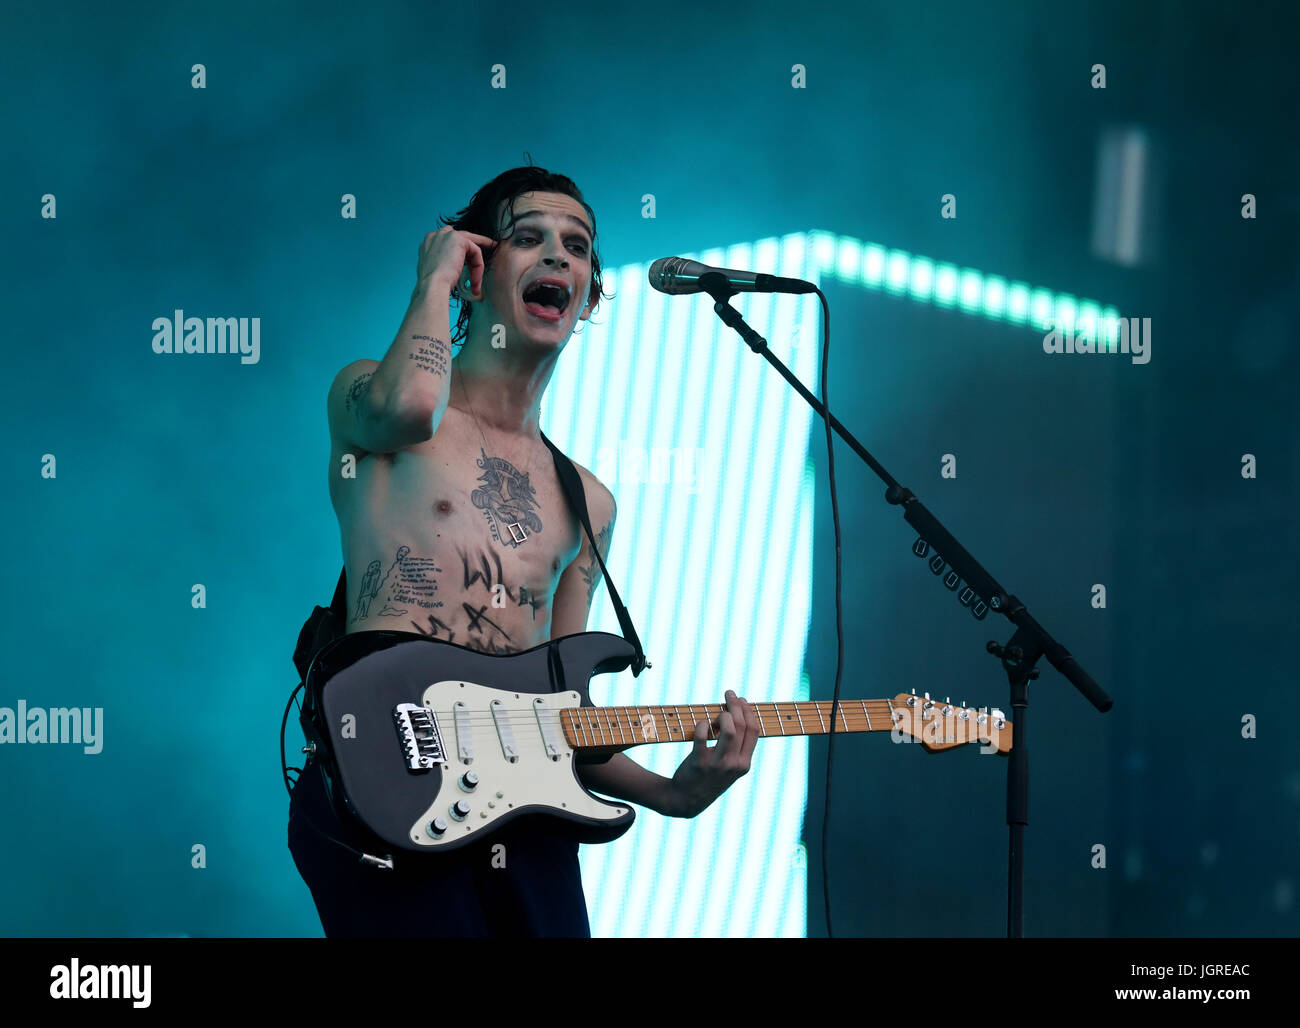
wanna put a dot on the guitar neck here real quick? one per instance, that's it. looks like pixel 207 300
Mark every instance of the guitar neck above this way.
pixel 605 727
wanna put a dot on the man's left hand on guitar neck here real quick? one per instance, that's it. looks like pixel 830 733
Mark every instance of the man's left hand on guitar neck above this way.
pixel 705 774
pixel 709 771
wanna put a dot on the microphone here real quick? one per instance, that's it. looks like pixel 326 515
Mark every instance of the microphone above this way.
pixel 674 275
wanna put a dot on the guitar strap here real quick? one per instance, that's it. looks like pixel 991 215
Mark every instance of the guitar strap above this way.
pixel 577 496
pixel 571 482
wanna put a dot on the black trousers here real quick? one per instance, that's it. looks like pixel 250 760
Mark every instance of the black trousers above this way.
pixel 465 893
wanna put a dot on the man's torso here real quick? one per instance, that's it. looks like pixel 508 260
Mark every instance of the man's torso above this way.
pixel 429 537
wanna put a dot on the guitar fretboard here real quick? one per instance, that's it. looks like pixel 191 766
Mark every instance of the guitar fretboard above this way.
pixel 632 726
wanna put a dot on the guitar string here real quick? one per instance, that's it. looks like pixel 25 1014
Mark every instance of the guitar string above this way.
pixel 611 724
pixel 685 730
pixel 637 710
pixel 635 713
pixel 766 706
pixel 611 731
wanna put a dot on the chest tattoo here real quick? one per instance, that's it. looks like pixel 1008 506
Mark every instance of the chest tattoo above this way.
pixel 507 499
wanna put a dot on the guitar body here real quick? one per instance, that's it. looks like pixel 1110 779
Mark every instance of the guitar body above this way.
pixel 429 745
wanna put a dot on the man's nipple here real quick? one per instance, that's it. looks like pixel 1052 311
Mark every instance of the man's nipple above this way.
pixel 442 507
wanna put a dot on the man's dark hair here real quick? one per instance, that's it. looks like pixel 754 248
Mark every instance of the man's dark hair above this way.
pixel 481 213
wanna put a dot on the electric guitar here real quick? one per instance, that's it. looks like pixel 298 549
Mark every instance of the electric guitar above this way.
pixel 430 745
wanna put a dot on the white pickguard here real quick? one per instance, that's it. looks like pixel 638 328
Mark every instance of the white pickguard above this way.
pixel 541 775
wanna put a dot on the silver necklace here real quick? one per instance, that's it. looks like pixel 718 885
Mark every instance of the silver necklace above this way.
pixel 485 499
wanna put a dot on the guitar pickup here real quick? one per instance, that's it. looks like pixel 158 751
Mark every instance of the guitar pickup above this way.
pixel 505 732
pixel 464 733
pixel 421 740
pixel 549 723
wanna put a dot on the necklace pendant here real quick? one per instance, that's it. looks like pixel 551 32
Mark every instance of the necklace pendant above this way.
pixel 517 532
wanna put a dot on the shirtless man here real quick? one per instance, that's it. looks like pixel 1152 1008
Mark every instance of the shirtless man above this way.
pixel 456 502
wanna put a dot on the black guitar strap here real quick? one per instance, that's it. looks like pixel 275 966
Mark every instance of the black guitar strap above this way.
pixel 577 497
pixel 572 484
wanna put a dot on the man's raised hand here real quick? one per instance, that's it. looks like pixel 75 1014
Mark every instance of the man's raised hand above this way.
pixel 443 255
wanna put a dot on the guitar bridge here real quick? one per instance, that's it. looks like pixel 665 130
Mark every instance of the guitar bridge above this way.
pixel 417 728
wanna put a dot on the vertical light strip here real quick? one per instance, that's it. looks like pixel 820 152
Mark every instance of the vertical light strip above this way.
pixel 708 557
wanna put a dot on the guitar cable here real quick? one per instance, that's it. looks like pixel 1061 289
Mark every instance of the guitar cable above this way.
pixel 385 863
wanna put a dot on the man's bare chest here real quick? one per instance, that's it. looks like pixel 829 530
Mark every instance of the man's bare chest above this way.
pixel 508 494
pixel 459 539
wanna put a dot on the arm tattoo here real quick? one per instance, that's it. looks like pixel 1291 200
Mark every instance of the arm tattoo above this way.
pixel 357 392
pixel 432 356
pixel 591 573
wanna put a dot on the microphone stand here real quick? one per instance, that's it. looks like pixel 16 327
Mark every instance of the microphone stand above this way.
pixel 1028 643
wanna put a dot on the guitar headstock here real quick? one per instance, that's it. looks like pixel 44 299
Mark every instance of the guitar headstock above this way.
pixel 945 726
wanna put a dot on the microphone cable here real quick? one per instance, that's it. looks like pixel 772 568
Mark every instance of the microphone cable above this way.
pixel 839 609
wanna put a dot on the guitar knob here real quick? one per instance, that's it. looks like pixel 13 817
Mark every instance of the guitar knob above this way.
pixel 469 781
pixel 460 810
pixel 437 827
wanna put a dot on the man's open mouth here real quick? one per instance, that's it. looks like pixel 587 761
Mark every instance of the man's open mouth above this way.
pixel 546 300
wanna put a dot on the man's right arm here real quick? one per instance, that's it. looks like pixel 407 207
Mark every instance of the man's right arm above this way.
pixel 389 405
